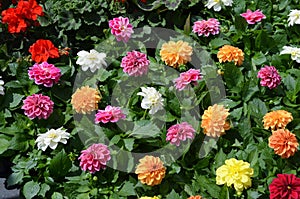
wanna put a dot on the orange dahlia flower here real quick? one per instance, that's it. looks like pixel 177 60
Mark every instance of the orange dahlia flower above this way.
pixel 176 53
pixel 85 100
pixel 195 197
pixel 231 53
pixel 150 170
pixel 277 119
pixel 214 120
pixel 284 143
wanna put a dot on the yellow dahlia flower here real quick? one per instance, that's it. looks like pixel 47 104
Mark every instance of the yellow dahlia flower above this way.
pixel 235 172
pixel 231 53
pixel 150 170
pixel 176 53
pixel 214 121
pixel 85 100
pixel 277 119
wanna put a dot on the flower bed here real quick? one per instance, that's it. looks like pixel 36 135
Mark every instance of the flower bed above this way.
pixel 150 99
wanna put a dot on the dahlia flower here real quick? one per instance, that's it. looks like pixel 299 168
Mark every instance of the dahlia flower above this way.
pixel 185 78
pixel 38 105
pixel 146 197
pixel 285 186
pixel 293 51
pixel 231 53
pixel 195 197
pixel 51 138
pixel 214 122
pixel 85 100
pixel 121 28
pixel 217 4
pixel 176 53
pixel 110 114
pixel 152 99
pixel 150 170
pixel 135 63
pixel 269 77
pixel 294 17
pixel 253 17
pixel 277 119
pixel 235 172
pixel 1 86
pixel 180 132
pixel 203 27
pixel 94 158
pixel 44 73
pixel 284 143
pixel 92 60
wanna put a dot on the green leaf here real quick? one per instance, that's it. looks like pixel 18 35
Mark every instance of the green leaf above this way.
pixel 17 98
pixel 233 77
pixel 258 58
pixel 218 42
pixel 60 164
pixel 44 189
pixel 31 189
pixel 127 190
pixel 4 143
pixel 129 143
pixel 173 195
pixel 224 194
pixel 57 195
pixel 257 108
pixel 145 128
pixel 209 186
pixel 15 178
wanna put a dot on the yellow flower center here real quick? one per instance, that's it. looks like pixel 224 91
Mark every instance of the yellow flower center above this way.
pixel 52 135
pixel 217 1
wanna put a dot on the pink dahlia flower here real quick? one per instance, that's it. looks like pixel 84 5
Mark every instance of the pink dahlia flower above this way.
pixel 94 158
pixel 110 114
pixel 44 73
pixel 190 76
pixel 203 27
pixel 253 17
pixel 269 77
pixel 121 28
pixel 180 132
pixel 38 105
pixel 135 63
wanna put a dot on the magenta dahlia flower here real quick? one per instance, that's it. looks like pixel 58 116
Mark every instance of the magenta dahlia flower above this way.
pixel 94 158
pixel 180 132
pixel 121 28
pixel 44 73
pixel 203 27
pixel 253 17
pixel 135 63
pixel 190 76
pixel 38 105
pixel 110 114
pixel 269 77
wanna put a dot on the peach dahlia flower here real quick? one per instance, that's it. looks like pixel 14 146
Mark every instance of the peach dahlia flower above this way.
pixel 85 100
pixel 230 53
pixel 277 119
pixel 214 120
pixel 176 53
pixel 150 170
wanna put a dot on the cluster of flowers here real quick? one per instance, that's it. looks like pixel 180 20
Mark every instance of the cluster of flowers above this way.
pixel 22 16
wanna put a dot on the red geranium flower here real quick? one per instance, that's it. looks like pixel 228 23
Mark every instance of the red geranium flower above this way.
pixel 285 186
pixel 29 9
pixel 43 49
pixel 15 23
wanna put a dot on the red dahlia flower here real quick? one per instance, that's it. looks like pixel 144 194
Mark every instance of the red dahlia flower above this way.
pixel 285 186
pixel 43 49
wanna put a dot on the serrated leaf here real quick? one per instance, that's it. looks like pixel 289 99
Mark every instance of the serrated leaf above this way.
pixel 57 195
pixel 218 42
pixel 145 128
pixel 17 98
pixel 173 195
pixel 44 189
pixel 60 164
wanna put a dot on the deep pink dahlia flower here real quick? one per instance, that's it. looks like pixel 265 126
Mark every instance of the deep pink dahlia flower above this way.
pixel 253 17
pixel 203 27
pixel 38 105
pixel 190 76
pixel 110 114
pixel 135 63
pixel 94 158
pixel 121 28
pixel 44 73
pixel 180 132
pixel 269 77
